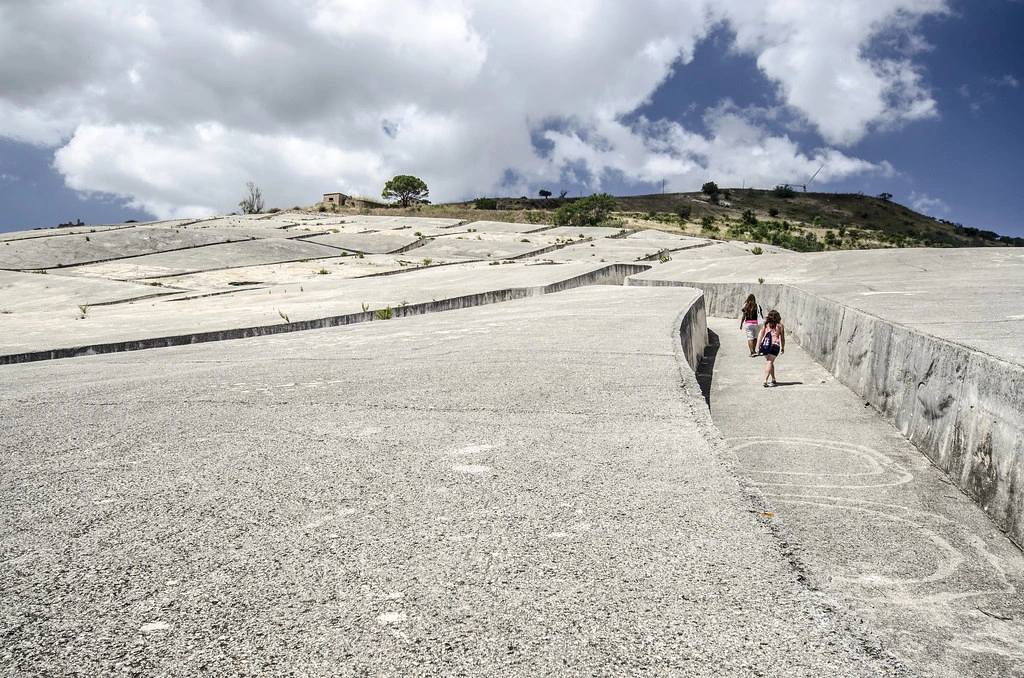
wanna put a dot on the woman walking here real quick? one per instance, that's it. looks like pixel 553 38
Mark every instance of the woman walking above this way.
pixel 772 342
pixel 750 320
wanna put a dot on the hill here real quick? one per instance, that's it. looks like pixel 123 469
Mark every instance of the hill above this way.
pixel 787 218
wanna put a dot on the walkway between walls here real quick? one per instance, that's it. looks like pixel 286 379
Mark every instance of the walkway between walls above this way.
pixel 870 520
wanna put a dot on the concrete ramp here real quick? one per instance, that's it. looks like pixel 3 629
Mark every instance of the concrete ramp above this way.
pixel 880 528
pixel 933 339
pixel 523 489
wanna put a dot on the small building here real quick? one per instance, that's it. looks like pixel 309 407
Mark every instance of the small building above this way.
pixel 335 198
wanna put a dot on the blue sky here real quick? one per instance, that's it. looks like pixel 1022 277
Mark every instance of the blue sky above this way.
pixel 122 110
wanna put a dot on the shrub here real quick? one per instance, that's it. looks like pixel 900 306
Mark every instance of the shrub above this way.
pixel 773 212
pixel 756 250
pixel 683 211
pixel 710 188
pixel 749 218
pixel 589 211
pixel 485 204
pixel 783 191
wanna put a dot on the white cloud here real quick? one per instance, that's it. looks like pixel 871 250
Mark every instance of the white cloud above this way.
pixel 1006 81
pixel 178 105
pixel 925 205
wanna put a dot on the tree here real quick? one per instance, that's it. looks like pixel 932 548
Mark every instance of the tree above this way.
pixel 885 196
pixel 544 193
pixel 710 188
pixel 252 203
pixel 405 189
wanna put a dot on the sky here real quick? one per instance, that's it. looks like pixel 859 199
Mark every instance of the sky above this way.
pixel 113 110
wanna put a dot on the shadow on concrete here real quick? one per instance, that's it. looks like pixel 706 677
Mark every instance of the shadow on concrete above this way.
pixel 789 383
pixel 706 368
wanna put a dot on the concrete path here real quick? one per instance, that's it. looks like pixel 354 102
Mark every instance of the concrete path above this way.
pixel 531 488
pixel 873 523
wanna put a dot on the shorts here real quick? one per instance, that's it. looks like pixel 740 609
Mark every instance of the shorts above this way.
pixel 753 329
pixel 770 350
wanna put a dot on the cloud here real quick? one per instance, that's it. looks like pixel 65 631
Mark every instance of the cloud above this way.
pixel 985 94
pixel 925 205
pixel 178 105
pixel 1005 81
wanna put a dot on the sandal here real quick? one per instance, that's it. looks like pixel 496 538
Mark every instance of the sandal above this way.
pixel 766 384
pixel 774 383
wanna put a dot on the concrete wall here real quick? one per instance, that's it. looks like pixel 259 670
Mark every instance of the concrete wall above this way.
pixel 693 333
pixel 962 408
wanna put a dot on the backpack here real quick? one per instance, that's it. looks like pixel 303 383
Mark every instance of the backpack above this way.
pixel 766 343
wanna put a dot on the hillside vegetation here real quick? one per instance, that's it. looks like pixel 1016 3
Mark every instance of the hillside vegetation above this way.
pixel 781 216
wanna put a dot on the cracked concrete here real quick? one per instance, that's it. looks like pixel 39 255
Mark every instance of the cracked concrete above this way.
pixel 531 487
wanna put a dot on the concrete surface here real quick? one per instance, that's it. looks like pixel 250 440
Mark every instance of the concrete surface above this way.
pixel 933 339
pixel 103 245
pixel 383 242
pixel 525 489
pixel 876 525
pixel 286 502
pixel 213 257
pixel 34 335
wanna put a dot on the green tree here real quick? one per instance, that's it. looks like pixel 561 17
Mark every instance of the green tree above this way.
pixel 544 193
pixel 589 211
pixel 253 202
pixel 405 189
pixel 711 189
